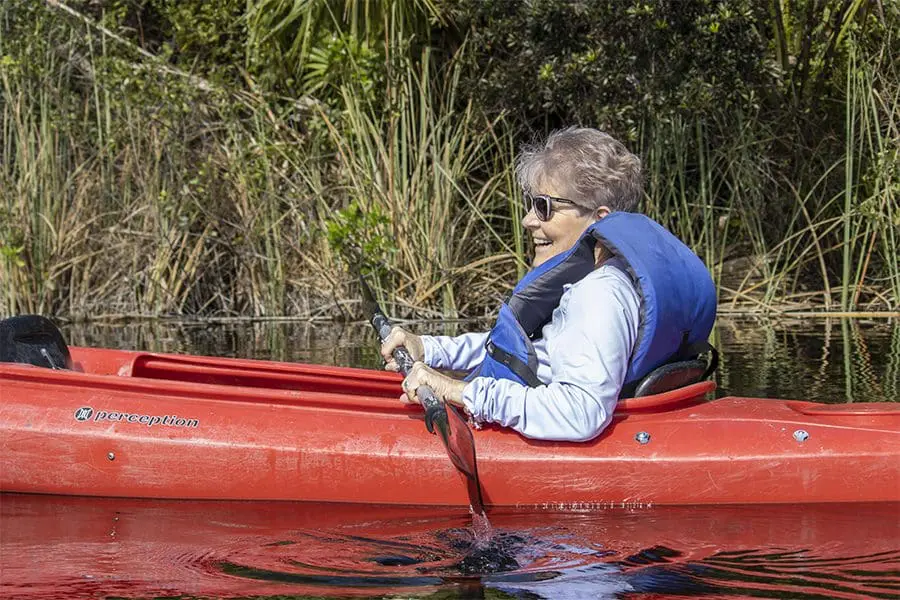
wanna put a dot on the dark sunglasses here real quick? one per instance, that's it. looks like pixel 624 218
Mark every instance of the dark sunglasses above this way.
pixel 542 204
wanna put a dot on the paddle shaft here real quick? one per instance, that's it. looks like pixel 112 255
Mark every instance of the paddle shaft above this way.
pixel 450 424
pixel 435 411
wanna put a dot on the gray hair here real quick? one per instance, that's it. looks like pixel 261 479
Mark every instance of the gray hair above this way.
pixel 596 169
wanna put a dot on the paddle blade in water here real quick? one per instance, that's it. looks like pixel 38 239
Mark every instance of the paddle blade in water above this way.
pixel 439 416
pixel 461 447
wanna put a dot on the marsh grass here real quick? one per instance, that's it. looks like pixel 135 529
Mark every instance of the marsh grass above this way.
pixel 115 205
pixel 127 188
pixel 429 170
pixel 807 238
pixel 45 212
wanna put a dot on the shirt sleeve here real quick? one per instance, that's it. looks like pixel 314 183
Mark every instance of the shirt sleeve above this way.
pixel 596 328
pixel 460 353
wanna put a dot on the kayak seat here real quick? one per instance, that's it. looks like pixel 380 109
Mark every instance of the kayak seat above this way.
pixel 33 340
pixel 671 376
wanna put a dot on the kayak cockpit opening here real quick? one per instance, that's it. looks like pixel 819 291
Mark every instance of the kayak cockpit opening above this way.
pixel 35 340
pixel 250 374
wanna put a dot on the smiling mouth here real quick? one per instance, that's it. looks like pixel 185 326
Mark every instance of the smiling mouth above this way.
pixel 541 243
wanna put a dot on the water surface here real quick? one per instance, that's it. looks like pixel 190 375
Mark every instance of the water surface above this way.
pixel 102 548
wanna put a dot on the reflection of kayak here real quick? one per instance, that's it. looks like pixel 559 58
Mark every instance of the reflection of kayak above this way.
pixel 165 426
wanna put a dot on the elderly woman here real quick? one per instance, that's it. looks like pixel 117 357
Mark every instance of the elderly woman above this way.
pixel 611 295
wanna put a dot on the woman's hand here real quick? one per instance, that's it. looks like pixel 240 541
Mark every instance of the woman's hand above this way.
pixel 401 337
pixel 445 388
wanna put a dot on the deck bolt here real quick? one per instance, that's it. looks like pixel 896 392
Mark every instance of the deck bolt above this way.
pixel 801 435
pixel 110 456
pixel 642 437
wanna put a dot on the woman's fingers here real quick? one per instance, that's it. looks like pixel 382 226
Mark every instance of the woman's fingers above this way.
pixel 400 337
pixel 413 380
pixel 391 343
pixel 445 388
pixel 395 339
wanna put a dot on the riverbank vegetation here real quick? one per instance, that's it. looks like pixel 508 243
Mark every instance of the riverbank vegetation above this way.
pixel 180 157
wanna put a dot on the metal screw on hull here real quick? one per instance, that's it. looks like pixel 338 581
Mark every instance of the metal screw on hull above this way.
pixel 801 435
pixel 642 437
pixel 110 456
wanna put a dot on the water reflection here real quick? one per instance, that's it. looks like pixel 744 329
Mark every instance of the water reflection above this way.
pixel 826 360
pixel 829 360
pixel 79 547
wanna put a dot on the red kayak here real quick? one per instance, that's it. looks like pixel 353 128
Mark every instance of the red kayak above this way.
pixel 144 425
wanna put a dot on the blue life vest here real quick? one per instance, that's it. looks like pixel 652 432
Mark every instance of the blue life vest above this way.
pixel 677 294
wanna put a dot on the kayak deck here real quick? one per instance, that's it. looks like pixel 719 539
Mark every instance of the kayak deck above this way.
pixel 131 424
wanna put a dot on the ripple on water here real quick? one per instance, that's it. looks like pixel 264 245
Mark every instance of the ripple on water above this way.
pixel 62 547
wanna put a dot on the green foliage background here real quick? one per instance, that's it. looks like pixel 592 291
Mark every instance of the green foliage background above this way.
pixel 212 158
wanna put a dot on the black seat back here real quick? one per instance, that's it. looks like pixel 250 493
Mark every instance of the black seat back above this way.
pixel 672 376
pixel 33 340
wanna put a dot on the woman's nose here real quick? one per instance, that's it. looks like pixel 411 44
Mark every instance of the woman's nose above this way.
pixel 530 220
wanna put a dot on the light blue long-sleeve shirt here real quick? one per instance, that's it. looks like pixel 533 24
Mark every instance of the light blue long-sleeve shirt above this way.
pixel 583 358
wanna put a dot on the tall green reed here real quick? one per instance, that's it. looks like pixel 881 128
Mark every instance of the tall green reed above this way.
pixel 414 166
pixel 127 188
pixel 872 149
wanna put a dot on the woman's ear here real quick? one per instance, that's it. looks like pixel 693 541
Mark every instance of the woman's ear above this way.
pixel 603 211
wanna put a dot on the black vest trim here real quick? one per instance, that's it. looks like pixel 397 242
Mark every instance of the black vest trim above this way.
pixel 533 306
pixel 514 364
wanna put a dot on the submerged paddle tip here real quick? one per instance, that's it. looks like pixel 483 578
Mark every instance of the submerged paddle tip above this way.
pixel 481 525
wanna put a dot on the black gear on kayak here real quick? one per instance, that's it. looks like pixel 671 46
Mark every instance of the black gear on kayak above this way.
pixel 33 340
pixel 672 376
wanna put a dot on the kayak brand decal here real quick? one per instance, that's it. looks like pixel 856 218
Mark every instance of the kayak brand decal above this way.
pixel 85 413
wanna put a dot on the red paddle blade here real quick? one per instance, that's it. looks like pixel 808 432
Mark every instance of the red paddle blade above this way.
pixel 460 445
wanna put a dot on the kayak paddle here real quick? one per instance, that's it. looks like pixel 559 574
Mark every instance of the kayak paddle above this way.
pixel 450 425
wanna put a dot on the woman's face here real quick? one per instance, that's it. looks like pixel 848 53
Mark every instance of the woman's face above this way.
pixel 565 226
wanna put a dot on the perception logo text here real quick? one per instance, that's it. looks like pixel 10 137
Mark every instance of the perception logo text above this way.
pixel 86 412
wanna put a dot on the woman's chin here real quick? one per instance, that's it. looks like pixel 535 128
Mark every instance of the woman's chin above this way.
pixel 542 255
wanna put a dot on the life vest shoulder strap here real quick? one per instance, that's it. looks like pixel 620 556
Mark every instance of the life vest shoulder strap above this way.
pixel 513 363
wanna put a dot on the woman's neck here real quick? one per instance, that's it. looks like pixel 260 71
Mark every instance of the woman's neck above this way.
pixel 601 255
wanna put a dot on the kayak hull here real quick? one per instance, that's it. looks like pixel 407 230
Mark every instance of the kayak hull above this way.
pixel 128 424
